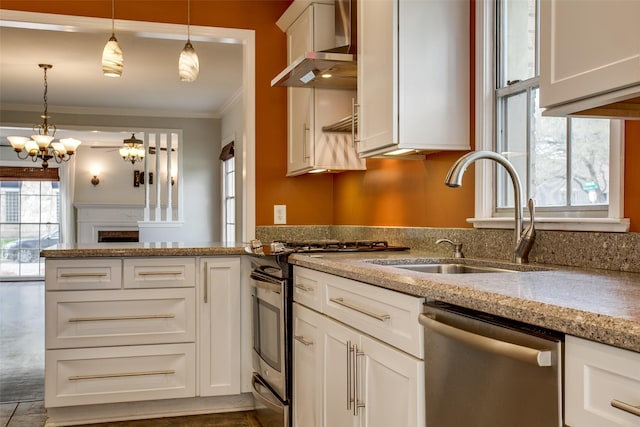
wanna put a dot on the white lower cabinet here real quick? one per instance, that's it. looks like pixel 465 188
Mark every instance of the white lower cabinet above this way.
pixel 602 385
pixel 138 329
pixel 345 377
pixel 219 335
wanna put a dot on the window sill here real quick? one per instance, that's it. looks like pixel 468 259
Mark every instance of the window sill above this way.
pixel 611 225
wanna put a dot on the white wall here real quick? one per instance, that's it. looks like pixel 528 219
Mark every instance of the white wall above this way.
pixel 200 175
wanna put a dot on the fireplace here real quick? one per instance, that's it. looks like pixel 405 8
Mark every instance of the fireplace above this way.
pixel 105 236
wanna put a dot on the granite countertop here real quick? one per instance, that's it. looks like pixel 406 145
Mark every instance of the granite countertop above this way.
pixel 143 249
pixel 598 305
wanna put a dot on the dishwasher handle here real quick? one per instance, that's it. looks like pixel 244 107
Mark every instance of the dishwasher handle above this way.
pixel 528 355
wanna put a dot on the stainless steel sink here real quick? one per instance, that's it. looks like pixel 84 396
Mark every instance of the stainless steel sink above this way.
pixel 454 265
pixel 452 268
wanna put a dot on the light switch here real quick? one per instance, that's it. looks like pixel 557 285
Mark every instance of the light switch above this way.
pixel 279 214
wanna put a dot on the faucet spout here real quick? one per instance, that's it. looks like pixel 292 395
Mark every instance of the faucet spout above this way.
pixel 454 179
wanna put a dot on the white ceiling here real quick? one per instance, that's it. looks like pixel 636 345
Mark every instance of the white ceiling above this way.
pixel 149 84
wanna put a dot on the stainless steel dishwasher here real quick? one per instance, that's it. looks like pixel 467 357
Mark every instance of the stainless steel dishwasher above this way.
pixel 483 371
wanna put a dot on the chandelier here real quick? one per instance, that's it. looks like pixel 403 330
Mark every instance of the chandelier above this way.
pixel 41 144
pixel 132 150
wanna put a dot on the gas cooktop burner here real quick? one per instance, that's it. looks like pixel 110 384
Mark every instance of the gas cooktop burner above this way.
pixel 326 245
pixel 334 245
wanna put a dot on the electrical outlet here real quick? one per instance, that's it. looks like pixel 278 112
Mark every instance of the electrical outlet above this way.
pixel 279 214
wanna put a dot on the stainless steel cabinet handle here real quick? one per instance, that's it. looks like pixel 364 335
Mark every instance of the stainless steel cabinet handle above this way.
pixel 342 302
pixel 634 410
pixel 120 374
pixel 159 273
pixel 205 291
pixel 83 274
pixel 303 340
pixel 357 402
pixel 490 345
pixel 305 288
pixel 349 350
pixel 355 120
pixel 305 151
pixel 133 317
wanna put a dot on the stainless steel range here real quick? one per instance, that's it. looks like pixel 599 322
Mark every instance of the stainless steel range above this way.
pixel 271 292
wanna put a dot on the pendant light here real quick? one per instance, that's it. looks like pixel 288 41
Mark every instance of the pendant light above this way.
pixel 41 144
pixel 188 65
pixel 112 58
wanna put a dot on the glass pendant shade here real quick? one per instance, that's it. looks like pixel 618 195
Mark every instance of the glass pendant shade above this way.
pixel 70 144
pixel 112 58
pixel 42 140
pixel 188 65
pixel 18 142
pixel 31 147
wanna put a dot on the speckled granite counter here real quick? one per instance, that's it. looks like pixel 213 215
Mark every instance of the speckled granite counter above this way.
pixel 598 305
pixel 143 249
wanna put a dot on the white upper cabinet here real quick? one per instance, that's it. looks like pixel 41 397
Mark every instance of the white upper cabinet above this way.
pixel 413 75
pixel 309 109
pixel 590 58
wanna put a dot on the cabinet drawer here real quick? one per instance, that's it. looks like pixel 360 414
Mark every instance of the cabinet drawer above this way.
pixel 78 274
pixel 595 376
pixel 159 272
pixel 119 374
pixel 122 317
pixel 387 315
pixel 306 288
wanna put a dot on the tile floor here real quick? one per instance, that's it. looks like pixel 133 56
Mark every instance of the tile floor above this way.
pixel 22 367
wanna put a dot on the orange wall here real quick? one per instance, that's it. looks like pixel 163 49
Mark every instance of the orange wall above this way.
pixel 390 192
pixel 632 173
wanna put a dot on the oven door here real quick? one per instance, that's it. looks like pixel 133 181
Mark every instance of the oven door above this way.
pixel 269 323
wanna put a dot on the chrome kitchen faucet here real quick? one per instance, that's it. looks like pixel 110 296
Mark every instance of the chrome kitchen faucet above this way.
pixel 523 239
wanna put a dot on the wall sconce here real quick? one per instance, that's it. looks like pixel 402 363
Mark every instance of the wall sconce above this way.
pixel 138 178
pixel 95 180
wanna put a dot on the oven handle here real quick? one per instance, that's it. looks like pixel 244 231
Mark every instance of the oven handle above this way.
pixel 528 355
pixel 257 383
pixel 258 276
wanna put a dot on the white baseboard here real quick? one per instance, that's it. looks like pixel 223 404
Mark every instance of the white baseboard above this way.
pixel 92 414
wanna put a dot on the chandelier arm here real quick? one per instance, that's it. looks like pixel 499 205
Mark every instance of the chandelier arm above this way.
pixel 26 154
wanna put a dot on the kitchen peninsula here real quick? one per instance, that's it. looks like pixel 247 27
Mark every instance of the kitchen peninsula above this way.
pixel 145 330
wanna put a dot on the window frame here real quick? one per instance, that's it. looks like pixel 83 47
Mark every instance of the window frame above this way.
pixel 486 215
pixel 225 197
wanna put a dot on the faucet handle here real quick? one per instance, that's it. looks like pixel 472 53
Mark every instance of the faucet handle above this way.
pixel 457 247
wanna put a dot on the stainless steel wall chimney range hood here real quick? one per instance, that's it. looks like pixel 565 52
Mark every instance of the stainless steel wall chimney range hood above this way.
pixel 334 68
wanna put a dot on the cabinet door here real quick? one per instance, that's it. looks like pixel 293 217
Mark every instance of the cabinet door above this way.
pixel 587 48
pixel 77 274
pixel 219 317
pixel 377 74
pixel 300 100
pixel 159 272
pixel 338 385
pixel 84 376
pixel 119 317
pixel 393 386
pixel 307 367
pixel 597 377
